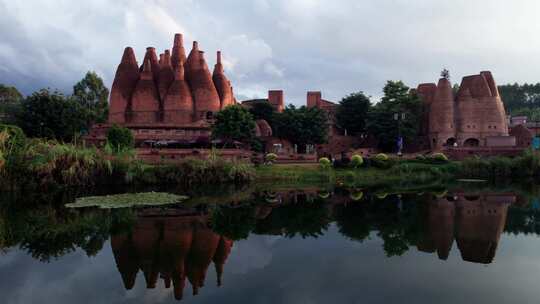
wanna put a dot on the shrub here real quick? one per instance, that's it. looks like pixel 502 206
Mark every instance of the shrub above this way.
pixel 382 161
pixel 381 157
pixel 324 162
pixel 357 161
pixel 120 138
pixel 439 157
pixel 16 135
pixel 270 157
pixel 420 157
pixel 12 144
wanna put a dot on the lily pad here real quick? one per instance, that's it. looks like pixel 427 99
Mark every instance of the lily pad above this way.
pixel 127 200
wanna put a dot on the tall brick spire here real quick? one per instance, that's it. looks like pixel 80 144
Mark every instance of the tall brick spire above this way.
pixel 145 100
pixel 178 51
pixel 166 75
pixel 125 80
pixel 178 104
pixel 151 56
pixel 203 90
pixel 222 84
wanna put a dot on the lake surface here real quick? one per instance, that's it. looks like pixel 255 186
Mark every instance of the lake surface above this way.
pixel 277 245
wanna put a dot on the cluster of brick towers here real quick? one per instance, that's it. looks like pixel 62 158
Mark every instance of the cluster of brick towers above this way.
pixel 472 117
pixel 173 89
pixel 174 248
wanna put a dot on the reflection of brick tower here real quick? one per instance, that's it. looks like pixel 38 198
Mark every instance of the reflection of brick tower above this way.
pixel 441 226
pixel 480 222
pixel 203 248
pixel 222 253
pixel 173 248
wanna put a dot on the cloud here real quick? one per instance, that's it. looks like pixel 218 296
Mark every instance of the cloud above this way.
pixel 297 45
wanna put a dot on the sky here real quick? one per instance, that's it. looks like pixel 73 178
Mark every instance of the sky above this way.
pixel 337 47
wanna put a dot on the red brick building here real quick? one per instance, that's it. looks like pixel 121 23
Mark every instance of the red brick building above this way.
pixel 170 99
pixel 474 117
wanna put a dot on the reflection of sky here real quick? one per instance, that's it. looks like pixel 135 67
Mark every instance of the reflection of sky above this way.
pixel 263 269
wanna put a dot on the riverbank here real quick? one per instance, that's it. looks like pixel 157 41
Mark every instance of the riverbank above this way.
pixel 403 175
pixel 34 163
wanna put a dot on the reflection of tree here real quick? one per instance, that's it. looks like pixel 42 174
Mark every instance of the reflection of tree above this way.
pixel 50 232
pixel 307 218
pixel 352 221
pixel 234 223
pixel 523 220
pixel 398 224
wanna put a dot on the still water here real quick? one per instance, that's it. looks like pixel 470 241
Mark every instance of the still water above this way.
pixel 293 245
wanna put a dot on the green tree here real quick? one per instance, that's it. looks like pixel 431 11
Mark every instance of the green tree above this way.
pixel 120 138
pixel 52 115
pixel 352 113
pixel 9 94
pixel 234 123
pixel 262 110
pixel 92 94
pixel 301 126
pixel 516 96
pixel 10 99
pixel 382 122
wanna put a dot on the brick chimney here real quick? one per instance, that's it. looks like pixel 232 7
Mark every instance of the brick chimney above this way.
pixel 275 98
pixel 313 99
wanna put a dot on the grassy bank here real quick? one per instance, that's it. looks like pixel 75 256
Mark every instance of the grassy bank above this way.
pixel 46 164
pixel 402 175
pixel 420 171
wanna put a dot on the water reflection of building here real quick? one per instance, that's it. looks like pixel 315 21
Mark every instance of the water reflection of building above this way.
pixel 476 222
pixel 172 248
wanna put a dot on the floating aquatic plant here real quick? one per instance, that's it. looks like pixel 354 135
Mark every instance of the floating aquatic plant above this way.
pixel 127 200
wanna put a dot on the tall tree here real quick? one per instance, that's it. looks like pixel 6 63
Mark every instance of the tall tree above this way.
pixel 399 111
pixel 92 94
pixel 262 110
pixel 352 113
pixel 9 94
pixel 234 123
pixel 52 115
pixel 10 102
pixel 301 126
pixel 519 97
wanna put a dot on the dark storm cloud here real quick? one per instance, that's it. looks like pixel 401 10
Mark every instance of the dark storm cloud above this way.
pixel 297 45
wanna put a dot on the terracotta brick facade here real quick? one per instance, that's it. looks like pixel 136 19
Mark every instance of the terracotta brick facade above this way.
pixel 467 118
pixel 171 89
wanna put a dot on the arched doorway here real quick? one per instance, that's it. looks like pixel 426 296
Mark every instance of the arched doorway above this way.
pixel 471 142
pixel 450 142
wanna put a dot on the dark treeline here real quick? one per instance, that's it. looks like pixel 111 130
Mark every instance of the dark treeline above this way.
pixel 51 114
